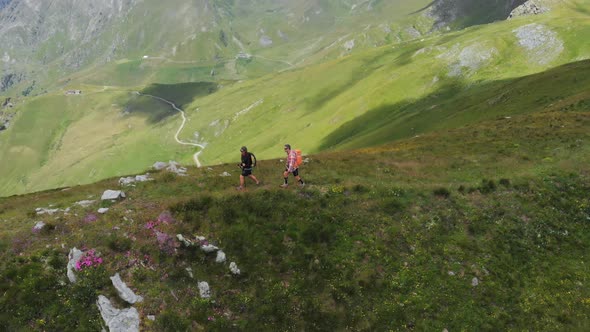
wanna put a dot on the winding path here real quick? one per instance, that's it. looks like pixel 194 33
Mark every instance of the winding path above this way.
pixel 202 147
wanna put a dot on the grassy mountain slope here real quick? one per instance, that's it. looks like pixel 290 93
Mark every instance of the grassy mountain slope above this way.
pixel 372 97
pixel 389 237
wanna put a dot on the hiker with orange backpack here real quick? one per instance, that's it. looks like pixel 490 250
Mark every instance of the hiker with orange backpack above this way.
pixel 247 165
pixel 294 159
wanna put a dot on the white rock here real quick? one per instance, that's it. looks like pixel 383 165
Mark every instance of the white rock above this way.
pixel 126 320
pixel 234 268
pixel 225 174
pixel 112 195
pixel 41 211
pixel 185 241
pixel 200 238
pixel 174 167
pixel 474 282
pixel 190 272
pixel 103 210
pixel 74 256
pixel 204 290
pixel 208 248
pixel 451 273
pixel 160 165
pixel 39 226
pixel 151 317
pixel 85 203
pixel 220 257
pixel 126 181
pixel 143 178
pixel 125 292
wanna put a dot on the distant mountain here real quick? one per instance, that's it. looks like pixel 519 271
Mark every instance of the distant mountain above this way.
pixel 44 41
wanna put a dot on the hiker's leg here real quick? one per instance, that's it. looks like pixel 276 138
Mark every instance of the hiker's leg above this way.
pixel 254 178
pixel 297 177
pixel 286 176
pixel 242 181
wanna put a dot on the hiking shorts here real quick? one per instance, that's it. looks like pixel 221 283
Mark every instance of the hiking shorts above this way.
pixel 295 171
pixel 246 171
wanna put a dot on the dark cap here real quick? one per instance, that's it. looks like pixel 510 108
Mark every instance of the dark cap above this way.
pixel 244 149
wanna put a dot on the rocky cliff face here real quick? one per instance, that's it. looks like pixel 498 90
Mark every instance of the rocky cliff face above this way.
pixel 35 34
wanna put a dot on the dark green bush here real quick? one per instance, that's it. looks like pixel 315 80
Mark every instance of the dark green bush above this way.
pixel 118 243
pixel 442 192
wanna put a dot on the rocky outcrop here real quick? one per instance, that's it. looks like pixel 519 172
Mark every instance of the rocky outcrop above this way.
pixel 531 7
pixel 542 44
pixel 125 320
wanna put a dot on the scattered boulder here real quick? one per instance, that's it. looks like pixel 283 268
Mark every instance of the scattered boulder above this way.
pixel 174 167
pixel 474 282
pixel 103 210
pixel 160 165
pixel 112 195
pixel 184 241
pixel 220 257
pixel 41 211
pixel 126 320
pixel 38 227
pixel 204 290
pixel 125 292
pixel 224 174
pixel 209 248
pixel 73 257
pixel 133 179
pixel 151 317
pixel 233 267
pixel 190 272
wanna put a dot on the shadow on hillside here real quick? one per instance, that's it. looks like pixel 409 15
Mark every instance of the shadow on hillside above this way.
pixel 456 104
pixel 180 94
pixel 369 66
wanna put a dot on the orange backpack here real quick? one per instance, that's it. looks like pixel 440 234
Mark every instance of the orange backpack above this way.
pixel 299 160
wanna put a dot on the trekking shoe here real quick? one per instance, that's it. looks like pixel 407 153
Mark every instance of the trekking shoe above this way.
pixel 239 188
pixel 301 185
pixel 284 185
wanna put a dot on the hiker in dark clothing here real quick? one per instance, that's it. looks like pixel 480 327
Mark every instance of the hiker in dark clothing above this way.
pixel 247 165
